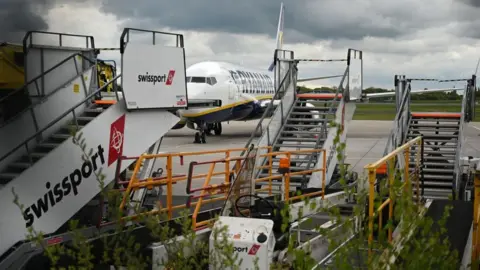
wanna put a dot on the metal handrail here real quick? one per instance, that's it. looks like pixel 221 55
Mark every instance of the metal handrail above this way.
pixel 71 110
pixel 398 116
pixel 28 36
pixel 460 143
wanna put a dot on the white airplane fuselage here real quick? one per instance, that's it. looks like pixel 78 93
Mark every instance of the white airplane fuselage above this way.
pixel 243 92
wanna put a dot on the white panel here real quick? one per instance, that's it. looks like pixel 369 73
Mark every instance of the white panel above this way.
pixel 355 78
pixel 51 57
pixel 60 102
pixel 330 147
pixel 142 129
pixel 154 76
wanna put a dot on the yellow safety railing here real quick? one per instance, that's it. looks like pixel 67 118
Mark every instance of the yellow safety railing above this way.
pixel 476 219
pixel 170 179
pixel 210 193
pixel 388 162
pixel 287 174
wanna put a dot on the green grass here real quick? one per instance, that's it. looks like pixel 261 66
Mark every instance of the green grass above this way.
pixel 387 111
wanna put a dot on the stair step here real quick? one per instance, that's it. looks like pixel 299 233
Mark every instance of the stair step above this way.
pixel 295 139
pixel 439 164
pixel 452 140
pixel 450 153
pixel 96 110
pixel 429 125
pixel 437 184
pixel 303 132
pixel 308 113
pixel 437 170
pixel 293 145
pixel 433 136
pixel 47 145
pixel 312 125
pixel 306 120
pixel 292 160
pixel 20 165
pixel 428 119
pixel 445 158
pixel 60 136
pixel 293 168
pixel 435 146
pixel 7 177
pixel 304 108
pixel 437 177
pixel 85 118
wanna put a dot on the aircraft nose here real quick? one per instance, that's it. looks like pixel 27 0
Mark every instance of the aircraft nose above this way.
pixel 195 91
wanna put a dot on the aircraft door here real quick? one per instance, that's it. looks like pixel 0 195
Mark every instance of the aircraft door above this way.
pixel 232 92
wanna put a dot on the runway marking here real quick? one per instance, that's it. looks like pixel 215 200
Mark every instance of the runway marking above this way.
pixel 477 128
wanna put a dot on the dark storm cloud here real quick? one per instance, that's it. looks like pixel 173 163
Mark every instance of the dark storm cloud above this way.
pixel 325 19
pixel 474 3
pixel 19 16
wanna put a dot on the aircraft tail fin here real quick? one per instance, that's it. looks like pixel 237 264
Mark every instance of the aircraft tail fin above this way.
pixel 279 39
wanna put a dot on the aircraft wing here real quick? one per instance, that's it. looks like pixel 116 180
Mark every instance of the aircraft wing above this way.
pixel 418 91
pixel 319 78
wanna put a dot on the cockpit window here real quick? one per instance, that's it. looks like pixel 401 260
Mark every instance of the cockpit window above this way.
pixel 209 80
pixel 197 80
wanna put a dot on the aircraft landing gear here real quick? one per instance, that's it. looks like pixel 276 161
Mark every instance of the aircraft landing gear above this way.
pixel 201 134
pixel 200 137
pixel 216 127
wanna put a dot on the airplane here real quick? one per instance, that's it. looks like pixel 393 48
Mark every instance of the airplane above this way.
pixel 244 93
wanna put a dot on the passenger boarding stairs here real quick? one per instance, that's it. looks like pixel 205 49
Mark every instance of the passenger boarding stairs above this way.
pixel 301 131
pixel 443 135
pixel 38 157
pixel 303 121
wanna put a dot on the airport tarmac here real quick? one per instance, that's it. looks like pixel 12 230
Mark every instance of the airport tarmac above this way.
pixel 365 143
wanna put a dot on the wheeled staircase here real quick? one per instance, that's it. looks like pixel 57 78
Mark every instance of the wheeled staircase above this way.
pixel 39 159
pixel 303 121
pixel 440 132
pixel 304 128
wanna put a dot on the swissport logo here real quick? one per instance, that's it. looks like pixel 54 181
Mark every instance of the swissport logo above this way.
pixel 56 192
pixel 117 130
pixel 254 249
pixel 164 78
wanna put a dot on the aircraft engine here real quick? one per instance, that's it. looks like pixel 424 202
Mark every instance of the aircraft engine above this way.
pixel 180 124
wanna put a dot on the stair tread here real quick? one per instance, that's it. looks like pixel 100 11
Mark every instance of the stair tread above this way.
pixel 8 175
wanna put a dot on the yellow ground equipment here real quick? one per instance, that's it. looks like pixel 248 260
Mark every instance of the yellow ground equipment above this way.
pixel 106 72
pixel 11 66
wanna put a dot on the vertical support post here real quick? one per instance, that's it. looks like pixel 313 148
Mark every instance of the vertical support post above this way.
pixel 391 179
pixel 422 175
pixel 270 172
pixel 371 181
pixel 227 170
pixel 169 186
pixel 324 172
pixel 407 168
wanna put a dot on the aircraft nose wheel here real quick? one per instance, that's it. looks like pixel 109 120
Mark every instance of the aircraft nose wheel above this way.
pixel 200 137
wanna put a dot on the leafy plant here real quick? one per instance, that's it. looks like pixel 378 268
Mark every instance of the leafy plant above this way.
pixel 348 238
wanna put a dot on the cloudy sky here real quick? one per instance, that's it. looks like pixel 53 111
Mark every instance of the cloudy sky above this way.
pixel 434 38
